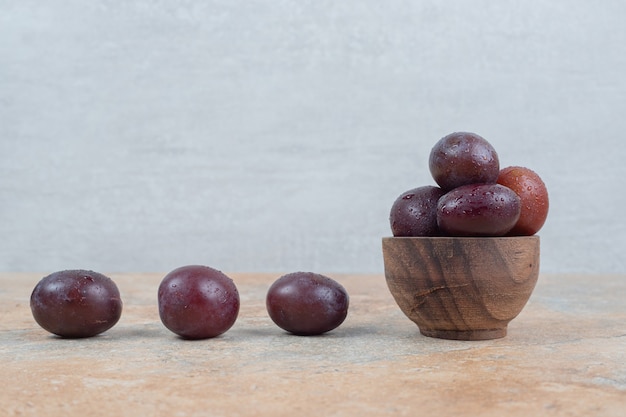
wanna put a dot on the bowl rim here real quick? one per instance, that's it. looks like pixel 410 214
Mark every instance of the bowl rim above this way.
pixel 460 237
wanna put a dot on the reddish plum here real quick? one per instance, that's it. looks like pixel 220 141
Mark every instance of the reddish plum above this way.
pixel 533 195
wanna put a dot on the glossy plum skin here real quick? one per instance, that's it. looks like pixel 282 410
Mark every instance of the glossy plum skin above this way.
pixel 76 303
pixel 414 213
pixel 305 303
pixel 463 158
pixel 478 210
pixel 198 302
pixel 533 195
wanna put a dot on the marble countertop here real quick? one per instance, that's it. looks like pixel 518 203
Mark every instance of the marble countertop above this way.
pixel 565 354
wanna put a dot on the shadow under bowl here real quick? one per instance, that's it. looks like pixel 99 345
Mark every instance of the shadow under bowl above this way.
pixel 462 288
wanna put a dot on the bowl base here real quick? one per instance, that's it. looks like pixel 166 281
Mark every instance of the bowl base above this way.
pixel 483 334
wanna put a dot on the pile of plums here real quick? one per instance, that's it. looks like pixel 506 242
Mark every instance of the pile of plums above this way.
pixel 194 302
pixel 474 197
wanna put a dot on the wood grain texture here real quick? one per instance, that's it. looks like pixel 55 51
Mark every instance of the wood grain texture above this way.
pixel 461 288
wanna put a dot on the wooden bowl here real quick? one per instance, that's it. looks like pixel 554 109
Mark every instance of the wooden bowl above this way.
pixel 463 288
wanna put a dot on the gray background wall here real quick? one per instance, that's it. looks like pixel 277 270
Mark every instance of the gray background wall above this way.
pixel 274 135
